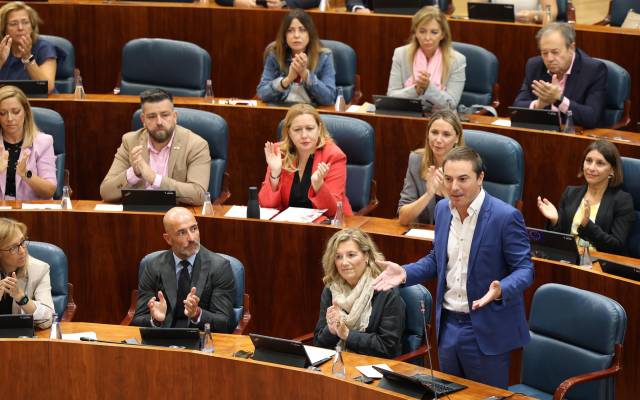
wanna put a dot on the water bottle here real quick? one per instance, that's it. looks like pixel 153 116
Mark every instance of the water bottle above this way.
pixel 338 219
pixel 585 257
pixel 253 208
pixel 323 5
pixel 207 340
pixel 546 19
pixel 78 94
pixel 207 208
pixel 338 369
pixel 65 202
pixel 56 332
pixel 571 12
pixel 568 125
pixel 208 92
pixel 340 103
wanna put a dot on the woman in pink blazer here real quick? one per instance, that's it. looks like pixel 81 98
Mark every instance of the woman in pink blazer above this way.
pixel 306 169
pixel 27 162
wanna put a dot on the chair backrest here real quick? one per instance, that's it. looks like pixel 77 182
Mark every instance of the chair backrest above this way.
pixel 356 139
pixel 620 8
pixel 573 332
pixel 345 62
pixel 631 185
pixel 562 10
pixel 503 161
pixel 213 128
pixel 181 68
pixel 618 91
pixel 415 321
pixel 50 122
pixel 58 271
pixel 238 277
pixel 481 74
pixel 65 82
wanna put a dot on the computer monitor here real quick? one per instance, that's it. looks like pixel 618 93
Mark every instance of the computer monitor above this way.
pixel 188 338
pixel 531 118
pixel 16 325
pixel 553 246
pixel 398 106
pixel 491 12
pixel 405 7
pixel 618 268
pixel 148 200
pixel 32 88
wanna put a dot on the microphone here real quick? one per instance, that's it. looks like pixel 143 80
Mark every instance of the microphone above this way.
pixel 426 342
pixel 88 339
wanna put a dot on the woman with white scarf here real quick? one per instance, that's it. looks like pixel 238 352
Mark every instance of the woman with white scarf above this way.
pixel 351 312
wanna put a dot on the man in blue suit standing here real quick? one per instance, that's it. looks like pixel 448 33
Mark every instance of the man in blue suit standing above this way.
pixel 482 260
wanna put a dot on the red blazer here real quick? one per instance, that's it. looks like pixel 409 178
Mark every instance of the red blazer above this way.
pixel 332 191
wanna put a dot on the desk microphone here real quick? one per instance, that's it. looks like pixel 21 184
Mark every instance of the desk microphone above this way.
pixel 426 342
pixel 88 339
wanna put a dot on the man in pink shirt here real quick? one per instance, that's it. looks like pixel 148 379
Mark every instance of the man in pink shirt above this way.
pixel 564 78
pixel 161 155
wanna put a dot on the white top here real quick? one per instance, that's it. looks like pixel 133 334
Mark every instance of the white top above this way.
pixel 520 5
pixel 458 249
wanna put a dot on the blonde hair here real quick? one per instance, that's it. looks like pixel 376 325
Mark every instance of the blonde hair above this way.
pixel 8 230
pixel 29 129
pixel 426 14
pixel 366 246
pixel 34 18
pixel 428 159
pixel 287 147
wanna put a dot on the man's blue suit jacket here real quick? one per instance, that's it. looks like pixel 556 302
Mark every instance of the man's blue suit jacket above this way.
pixel 500 251
pixel 586 88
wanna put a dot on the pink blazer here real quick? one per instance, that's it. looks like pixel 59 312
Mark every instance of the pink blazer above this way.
pixel 41 162
pixel 332 191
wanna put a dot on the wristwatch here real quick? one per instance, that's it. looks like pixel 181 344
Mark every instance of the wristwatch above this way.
pixel 29 174
pixel 29 59
pixel 23 301
pixel 558 102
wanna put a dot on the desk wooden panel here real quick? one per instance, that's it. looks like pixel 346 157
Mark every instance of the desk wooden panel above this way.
pixel 94 128
pixel 282 267
pixel 236 38
pixel 80 370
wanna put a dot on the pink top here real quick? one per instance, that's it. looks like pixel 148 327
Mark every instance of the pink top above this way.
pixel 159 163
pixel 41 161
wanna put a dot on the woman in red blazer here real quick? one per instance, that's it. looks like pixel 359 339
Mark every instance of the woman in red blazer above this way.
pixel 305 169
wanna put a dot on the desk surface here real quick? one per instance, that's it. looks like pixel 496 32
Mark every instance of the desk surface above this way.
pixel 104 250
pixel 151 372
pixel 94 128
pixel 211 26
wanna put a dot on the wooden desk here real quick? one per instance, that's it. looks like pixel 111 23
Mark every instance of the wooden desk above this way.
pixel 236 39
pixel 66 369
pixel 94 129
pixel 282 267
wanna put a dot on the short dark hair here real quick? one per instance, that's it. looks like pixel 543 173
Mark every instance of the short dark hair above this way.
pixel 155 96
pixel 610 153
pixel 465 153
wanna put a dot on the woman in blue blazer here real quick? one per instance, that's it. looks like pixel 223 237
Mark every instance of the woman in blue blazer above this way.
pixel 296 67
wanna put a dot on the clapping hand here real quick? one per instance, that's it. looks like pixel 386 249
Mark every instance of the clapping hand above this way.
pixel 392 276
pixel 10 285
pixel 4 161
pixel 435 179
pixel 422 82
pixel 548 210
pixel 494 293
pixel 317 179
pixel 245 3
pixel 21 167
pixel 333 317
pixel 158 307
pixel 24 46
pixel 547 93
pixel 191 309
pixel 586 213
pixel 273 157
pixel 5 48
pixel 300 63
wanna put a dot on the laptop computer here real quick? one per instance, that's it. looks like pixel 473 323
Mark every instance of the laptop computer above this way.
pixel 419 386
pixel 279 351
pixel 30 88
pixel 397 106
pixel 620 269
pixel 553 246
pixel 530 118
pixel 188 338
pixel 405 7
pixel 491 12
pixel 148 200
pixel 16 325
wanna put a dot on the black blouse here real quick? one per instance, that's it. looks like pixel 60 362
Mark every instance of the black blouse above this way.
pixel 298 197
pixel 14 155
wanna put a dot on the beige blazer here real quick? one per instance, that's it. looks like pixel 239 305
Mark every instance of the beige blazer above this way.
pixel 189 166
pixel 36 284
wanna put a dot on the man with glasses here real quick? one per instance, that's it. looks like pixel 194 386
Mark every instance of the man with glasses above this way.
pixel 25 287
pixel 188 285
pixel 161 155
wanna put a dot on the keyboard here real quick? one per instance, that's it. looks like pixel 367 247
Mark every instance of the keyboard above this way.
pixel 438 385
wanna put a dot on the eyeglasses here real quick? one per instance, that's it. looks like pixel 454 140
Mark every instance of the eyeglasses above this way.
pixel 14 24
pixel 16 247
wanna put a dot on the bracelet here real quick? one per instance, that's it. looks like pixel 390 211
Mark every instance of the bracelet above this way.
pixel 281 85
pixel 276 177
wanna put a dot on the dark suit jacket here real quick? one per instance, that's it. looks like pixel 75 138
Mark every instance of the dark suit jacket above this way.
pixel 369 3
pixel 499 251
pixel 613 222
pixel 212 277
pixel 586 88
pixel 383 336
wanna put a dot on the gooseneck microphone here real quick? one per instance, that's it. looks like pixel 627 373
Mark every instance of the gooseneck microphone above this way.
pixel 426 342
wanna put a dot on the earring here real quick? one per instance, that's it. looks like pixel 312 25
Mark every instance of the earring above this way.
pixel 611 175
